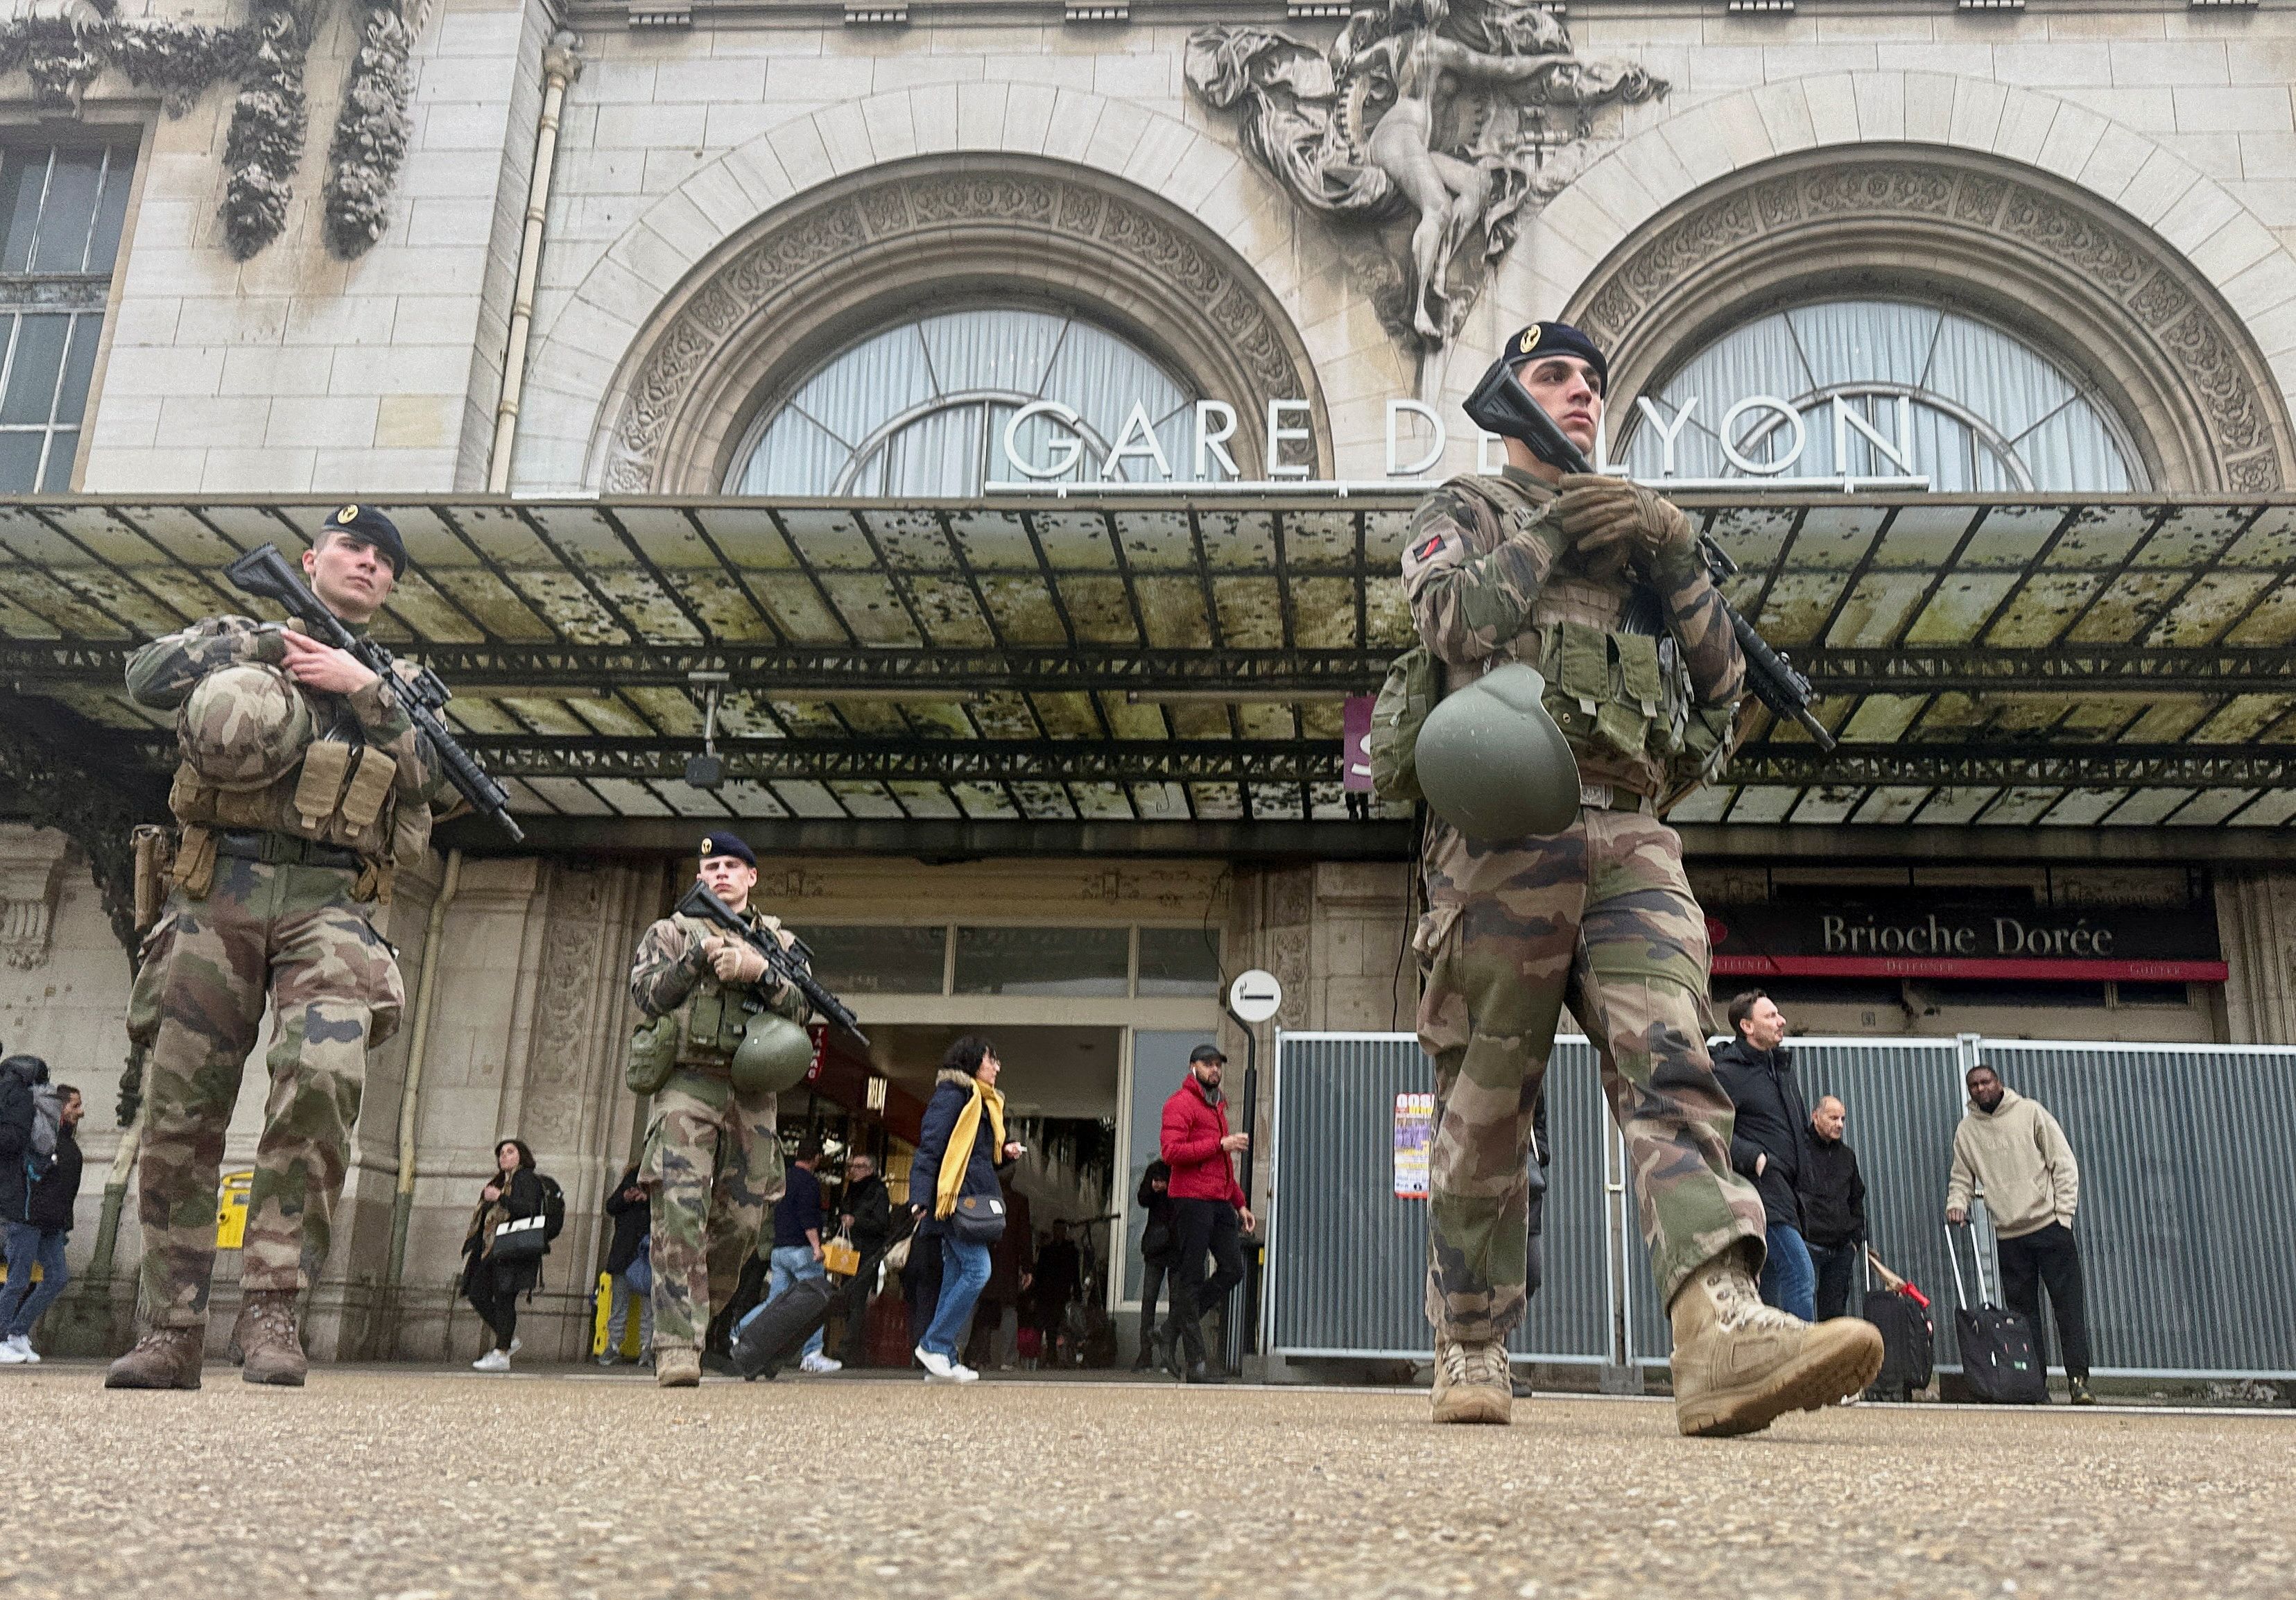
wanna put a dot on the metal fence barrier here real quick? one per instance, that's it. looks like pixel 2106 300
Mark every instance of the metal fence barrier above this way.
pixel 2187 1219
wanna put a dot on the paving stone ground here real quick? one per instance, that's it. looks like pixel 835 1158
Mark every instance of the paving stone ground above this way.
pixel 400 1485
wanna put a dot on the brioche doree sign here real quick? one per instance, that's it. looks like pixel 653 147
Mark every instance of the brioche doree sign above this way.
pixel 2128 943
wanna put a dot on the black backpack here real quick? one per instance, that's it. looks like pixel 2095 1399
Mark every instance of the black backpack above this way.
pixel 553 1208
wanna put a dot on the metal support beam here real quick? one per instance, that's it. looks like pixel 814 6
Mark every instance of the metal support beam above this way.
pixel 800 670
pixel 1304 761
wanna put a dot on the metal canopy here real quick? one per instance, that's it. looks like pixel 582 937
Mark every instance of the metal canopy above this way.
pixel 2108 660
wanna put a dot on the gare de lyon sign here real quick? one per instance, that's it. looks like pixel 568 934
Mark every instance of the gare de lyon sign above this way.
pixel 1065 445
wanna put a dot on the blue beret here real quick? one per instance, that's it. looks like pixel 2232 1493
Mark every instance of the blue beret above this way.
pixel 726 844
pixel 365 522
pixel 1557 339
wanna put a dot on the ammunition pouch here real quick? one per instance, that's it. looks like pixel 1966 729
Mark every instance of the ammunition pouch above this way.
pixel 1414 683
pixel 193 871
pixel 654 1054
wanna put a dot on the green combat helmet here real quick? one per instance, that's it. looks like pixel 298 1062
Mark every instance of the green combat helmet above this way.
pixel 1492 762
pixel 775 1054
pixel 244 728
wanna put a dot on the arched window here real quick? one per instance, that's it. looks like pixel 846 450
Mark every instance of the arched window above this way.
pixel 921 409
pixel 1984 409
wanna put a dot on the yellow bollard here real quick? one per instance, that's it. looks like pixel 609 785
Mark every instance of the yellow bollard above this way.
pixel 231 1210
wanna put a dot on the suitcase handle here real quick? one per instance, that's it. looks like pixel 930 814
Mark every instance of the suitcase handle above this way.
pixel 1976 1262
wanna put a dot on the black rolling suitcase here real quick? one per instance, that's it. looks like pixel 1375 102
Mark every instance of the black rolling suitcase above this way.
pixel 1997 1354
pixel 1907 1335
pixel 772 1336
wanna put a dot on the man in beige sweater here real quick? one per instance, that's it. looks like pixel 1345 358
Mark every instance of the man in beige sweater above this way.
pixel 2012 1151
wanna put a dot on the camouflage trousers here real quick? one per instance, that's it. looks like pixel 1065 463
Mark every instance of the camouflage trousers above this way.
pixel 291 936
pixel 1602 917
pixel 712 1164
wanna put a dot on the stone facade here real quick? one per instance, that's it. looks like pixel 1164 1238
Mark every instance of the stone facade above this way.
pixel 298 371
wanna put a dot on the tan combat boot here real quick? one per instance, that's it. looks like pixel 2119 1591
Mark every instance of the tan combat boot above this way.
pixel 1739 1365
pixel 1471 1381
pixel 676 1366
pixel 269 1341
pixel 163 1359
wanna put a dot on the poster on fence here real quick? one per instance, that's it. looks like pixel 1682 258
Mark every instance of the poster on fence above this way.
pixel 1415 1126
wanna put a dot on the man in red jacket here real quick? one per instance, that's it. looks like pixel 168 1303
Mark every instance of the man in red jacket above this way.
pixel 1211 1212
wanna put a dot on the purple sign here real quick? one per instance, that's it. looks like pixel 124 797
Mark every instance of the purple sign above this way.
pixel 1354 751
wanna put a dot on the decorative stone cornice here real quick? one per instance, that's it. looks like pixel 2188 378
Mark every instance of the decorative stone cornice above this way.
pixel 2137 316
pixel 31 882
pixel 904 235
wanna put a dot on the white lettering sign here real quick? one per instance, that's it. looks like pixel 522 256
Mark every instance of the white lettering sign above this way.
pixel 1771 428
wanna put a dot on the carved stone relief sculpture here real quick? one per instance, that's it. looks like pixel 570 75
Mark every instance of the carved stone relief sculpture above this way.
pixel 64 52
pixel 1439 126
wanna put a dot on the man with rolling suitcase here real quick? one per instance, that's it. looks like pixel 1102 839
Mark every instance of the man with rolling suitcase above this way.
pixel 2011 1150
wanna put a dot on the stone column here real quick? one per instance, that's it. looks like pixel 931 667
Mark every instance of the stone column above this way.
pixel 2256 920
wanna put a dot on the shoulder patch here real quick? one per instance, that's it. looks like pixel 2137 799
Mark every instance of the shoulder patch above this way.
pixel 1426 551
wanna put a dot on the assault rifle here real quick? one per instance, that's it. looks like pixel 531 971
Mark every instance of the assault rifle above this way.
pixel 702 904
pixel 1501 405
pixel 267 572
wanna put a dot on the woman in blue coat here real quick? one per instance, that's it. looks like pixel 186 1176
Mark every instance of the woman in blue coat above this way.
pixel 954 1192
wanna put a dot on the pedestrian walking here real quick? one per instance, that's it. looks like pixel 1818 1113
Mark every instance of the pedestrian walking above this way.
pixel 954 1192
pixel 1159 1242
pixel 1059 1279
pixel 493 1284
pixel 630 1212
pixel 2010 1151
pixel 1767 1143
pixel 1833 1197
pixel 796 1256
pixel 1011 1273
pixel 865 1217
pixel 39 1226
pixel 304 788
pixel 1213 1210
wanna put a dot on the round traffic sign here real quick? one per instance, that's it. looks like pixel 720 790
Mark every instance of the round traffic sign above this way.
pixel 1255 996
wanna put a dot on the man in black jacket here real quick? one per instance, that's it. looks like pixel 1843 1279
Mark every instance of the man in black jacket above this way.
pixel 1833 1197
pixel 633 1215
pixel 865 1216
pixel 37 1235
pixel 1768 1142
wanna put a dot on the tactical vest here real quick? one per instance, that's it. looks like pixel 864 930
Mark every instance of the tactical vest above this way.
pixel 1622 698
pixel 340 793
pixel 710 1021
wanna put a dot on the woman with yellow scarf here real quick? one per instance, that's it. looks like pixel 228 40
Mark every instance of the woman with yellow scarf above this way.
pixel 952 1190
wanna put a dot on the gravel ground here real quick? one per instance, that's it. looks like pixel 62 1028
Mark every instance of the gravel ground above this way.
pixel 436 1486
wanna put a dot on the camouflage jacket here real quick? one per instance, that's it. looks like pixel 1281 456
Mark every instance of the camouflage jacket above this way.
pixel 669 970
pixel 162 675
pixel 1480 591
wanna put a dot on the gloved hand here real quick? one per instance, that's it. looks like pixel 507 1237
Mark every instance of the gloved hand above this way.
pixel 1612 522
pixel 734 961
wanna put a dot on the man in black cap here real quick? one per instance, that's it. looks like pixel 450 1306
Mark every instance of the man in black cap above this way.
pixel 1596 583
pixel 302 789
pixel 712 1162
pixel 1210 1208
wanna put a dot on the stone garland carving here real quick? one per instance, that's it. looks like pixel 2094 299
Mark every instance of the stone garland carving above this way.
pixel 830 233
pixel 2187 332
pixel 64 55
pixel 1441 123
pixel 31 879
pixel 370 135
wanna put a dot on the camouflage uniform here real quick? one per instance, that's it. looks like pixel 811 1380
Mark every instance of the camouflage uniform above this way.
pixel 282 929
pixel 1601 917
pixel 712 1161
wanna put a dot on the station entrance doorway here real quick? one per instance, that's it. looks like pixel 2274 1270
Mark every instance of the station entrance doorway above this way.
pixel 1086 1099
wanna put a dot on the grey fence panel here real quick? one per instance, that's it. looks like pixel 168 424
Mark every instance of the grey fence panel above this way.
pixel 1904 1097
pixel 2188 1221
pixel 1346 1258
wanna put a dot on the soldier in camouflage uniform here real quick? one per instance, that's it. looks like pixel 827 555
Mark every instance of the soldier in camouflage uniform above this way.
pixel 303 786
pixel 1544 569
pixel 712 1161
